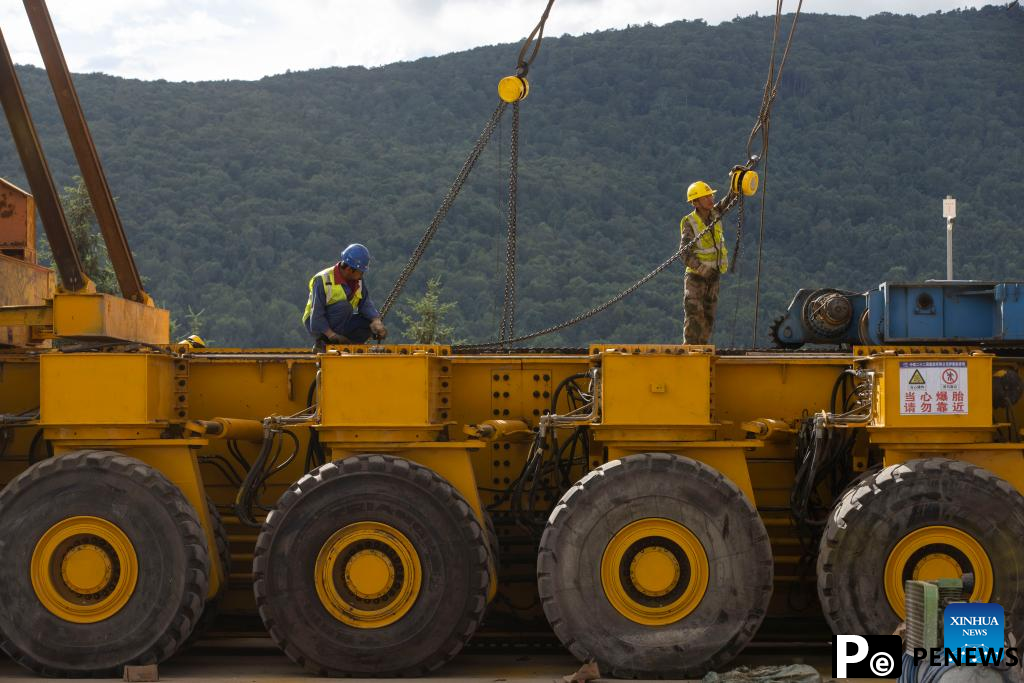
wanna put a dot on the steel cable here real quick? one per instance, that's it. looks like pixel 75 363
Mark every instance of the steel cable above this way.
pixel 683 249
pixel 446 204
pixel 763 124
pixel 523 65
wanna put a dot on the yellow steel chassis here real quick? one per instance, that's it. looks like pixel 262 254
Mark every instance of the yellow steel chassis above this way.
pixel 415 402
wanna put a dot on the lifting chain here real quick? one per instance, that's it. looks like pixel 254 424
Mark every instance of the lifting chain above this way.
pixel 739 236
pixel 446 204
pixel 508 309
pixel 680 254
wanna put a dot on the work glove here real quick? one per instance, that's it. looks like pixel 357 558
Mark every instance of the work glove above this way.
pixel 378 329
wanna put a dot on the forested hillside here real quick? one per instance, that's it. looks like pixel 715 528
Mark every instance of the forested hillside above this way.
pixel 234 193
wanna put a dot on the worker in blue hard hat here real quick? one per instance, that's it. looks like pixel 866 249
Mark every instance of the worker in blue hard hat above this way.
pixel 339 309
pixel 705 261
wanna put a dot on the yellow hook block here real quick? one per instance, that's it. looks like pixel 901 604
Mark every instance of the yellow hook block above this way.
pixel 744 180
pixel 513 88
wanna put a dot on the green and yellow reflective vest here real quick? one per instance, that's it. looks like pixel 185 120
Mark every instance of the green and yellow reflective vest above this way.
pixel 334 290
pixel 710 249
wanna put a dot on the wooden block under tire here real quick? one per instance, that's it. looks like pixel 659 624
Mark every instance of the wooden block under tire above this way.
pixel 138 674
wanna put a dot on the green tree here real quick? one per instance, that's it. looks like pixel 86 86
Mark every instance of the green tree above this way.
pixel 193 325
pixel 426 323
pixel 92 250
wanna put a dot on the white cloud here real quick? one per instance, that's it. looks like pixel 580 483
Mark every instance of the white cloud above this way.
pixel 217 39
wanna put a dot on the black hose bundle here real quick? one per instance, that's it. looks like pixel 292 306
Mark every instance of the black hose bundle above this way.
pixel 548 470
pixel 224 466
pixel 36 440
pixel 263 468
pixel 315 456
pixel 8 421
pixel 824 455
pixel 823 463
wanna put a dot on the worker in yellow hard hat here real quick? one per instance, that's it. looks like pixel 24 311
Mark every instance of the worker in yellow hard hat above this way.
pixel 705 261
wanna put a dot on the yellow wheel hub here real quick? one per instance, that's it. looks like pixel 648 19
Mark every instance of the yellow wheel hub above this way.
pixel 368 575
pixel 84 569
pixel 654 571
pixel 936 552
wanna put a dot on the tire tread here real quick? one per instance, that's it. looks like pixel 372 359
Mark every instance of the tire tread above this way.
pixel 184 516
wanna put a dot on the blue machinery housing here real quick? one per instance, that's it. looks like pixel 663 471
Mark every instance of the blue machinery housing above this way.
pixel 930 312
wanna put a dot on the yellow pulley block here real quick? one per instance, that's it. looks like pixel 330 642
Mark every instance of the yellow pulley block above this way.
pixel 743 180
pixel 513 88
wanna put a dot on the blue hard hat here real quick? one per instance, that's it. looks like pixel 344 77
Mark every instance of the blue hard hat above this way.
pixel 356 256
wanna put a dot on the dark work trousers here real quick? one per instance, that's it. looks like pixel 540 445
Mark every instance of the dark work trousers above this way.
pixel 700 301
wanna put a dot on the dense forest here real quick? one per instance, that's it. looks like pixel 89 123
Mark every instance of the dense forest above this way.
pixel 234 193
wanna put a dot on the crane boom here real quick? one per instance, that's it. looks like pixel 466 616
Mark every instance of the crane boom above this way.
pixel 109 220
pixel 26 140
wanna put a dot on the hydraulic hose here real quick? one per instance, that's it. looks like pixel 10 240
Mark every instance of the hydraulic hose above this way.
pixel 247 491
pixel 314 451
pixel 13 419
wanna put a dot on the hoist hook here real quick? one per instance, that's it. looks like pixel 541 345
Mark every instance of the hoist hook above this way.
pixel 516 88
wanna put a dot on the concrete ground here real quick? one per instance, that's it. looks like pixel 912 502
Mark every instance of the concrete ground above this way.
pixel 256 660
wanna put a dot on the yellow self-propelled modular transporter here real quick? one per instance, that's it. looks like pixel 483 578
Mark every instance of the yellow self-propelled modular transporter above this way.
pixel 650 505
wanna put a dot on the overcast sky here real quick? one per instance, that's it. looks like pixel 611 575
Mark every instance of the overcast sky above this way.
pixel 192 40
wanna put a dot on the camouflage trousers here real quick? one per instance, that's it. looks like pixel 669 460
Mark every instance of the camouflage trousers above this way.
pixel 700 300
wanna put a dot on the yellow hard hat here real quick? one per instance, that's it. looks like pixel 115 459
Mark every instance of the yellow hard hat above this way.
pixel 697 190
pixel 194 341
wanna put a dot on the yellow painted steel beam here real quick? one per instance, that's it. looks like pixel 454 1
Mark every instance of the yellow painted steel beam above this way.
pixel 25 316
pixel 106 389
pixel 107 317
pixel 24 289
pixel 396 391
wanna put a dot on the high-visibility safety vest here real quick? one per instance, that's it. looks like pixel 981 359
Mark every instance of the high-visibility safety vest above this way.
pixel 335 292
pixel 710 248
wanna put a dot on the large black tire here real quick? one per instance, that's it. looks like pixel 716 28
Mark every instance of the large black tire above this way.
pixel 651 486
pixel 871 519
pixel 212 607
pixel 168 542
pixel 409 498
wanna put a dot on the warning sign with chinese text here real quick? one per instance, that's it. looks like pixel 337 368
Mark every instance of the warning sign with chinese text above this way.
pixel 933 387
